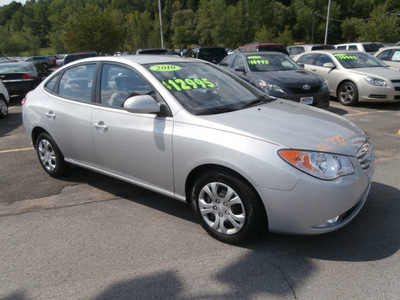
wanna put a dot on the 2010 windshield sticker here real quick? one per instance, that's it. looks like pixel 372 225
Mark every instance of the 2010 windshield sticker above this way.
pixel 257 61
pixel 345 56
pixel 188 84
pixel 163 68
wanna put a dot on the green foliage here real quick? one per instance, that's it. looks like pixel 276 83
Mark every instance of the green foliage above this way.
pixel 124 25
pixel 93 29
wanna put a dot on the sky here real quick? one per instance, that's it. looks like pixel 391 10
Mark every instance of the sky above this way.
pixel 5 2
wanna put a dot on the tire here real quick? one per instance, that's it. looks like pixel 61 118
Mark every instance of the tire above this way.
pixel 50 156
pixel 3 108
pixel 348 94
pixel 228 209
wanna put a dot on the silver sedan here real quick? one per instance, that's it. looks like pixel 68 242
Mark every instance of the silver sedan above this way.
pixel 354 76
pixel 192 131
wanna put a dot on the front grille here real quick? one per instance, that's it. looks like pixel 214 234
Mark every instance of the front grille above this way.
pixel 366 158
pixel 396 81
pixel 300 90
pixel 397 88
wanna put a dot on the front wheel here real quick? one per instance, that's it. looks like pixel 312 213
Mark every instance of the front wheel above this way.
pixel 348 94
pixel 228 209
pixel 50 156
pixel 3 108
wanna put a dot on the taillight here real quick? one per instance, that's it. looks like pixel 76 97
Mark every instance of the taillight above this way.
pixel 26 77
pixel 23 101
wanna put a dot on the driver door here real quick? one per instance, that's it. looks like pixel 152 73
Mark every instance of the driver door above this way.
pixel 134 146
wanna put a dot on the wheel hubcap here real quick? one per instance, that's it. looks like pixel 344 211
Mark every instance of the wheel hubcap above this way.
pixel 347 94
pixel 47 155
pixel 221 208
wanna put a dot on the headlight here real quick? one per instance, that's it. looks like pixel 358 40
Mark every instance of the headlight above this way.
pixel 271 87
pixel 318 164
pixel 325 84
pixel 375 81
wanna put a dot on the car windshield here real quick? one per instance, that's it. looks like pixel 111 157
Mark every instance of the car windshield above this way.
pixel 205 89
pixel 14 68
pixel 266 62
pixel 352 60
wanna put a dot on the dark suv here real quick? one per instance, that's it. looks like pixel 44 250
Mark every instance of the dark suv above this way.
pixel 70 57
pixel 211 54
pixel 263 47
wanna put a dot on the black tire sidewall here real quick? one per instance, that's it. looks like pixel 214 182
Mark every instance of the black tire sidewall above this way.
pixel 61 166
pixel 5 103
pixel 249 199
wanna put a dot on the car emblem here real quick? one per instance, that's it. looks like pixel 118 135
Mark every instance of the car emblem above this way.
pixel 306 87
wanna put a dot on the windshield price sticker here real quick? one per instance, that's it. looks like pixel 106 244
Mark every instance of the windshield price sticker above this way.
pixel 164 68
pixel 346 57
pixel 188 84
pixel 257 61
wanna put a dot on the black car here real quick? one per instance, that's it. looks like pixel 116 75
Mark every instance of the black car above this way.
pixel 278 75
pixel 211 54
pixel 73 56
pixel 21 77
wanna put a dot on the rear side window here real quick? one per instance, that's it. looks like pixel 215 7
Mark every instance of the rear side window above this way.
pixel 353 47
pixel 76 83
pixel 52 84
pixel 341 47
pixel 384 55
pixel 307 59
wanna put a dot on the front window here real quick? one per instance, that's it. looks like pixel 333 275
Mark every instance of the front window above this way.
pixel 352 60
pixel 204 89
pixel 266 62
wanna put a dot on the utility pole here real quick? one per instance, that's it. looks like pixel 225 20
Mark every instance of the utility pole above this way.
pixel 161 29
pixel 327 22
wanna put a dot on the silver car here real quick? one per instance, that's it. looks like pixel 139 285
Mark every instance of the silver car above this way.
pixel 354 76
pixel 189 130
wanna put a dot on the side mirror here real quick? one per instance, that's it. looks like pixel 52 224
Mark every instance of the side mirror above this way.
pixel 240 69
pixel 143 104
pixel 301 66
pixel 329 65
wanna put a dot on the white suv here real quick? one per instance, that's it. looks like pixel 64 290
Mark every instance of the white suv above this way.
pixel 371 48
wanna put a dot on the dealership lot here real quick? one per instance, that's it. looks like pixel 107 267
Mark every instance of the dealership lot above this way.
pixel 91 237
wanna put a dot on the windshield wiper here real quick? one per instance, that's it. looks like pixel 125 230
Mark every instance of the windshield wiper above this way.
pixel 215 110
pixel 258 101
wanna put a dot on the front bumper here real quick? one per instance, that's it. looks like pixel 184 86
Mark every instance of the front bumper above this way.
pixel 316 206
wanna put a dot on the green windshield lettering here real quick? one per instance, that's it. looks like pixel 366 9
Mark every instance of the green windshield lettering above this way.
pixel 188 84
pixel 345 56
pixel 253 57
pixel 258 62
pixel 163 68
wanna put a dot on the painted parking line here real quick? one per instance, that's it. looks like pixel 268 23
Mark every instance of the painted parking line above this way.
pixel 17 150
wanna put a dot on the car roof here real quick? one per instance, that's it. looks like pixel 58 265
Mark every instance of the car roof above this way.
pixel 140 59
pixel 260 53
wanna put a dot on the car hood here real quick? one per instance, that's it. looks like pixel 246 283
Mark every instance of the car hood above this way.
pixel 379 71
pixel 293 125
pixel 289 77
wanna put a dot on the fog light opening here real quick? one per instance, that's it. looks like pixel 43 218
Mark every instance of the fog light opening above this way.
pixel 329 223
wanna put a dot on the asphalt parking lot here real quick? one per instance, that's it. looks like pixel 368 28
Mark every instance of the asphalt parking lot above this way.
pixel 88 236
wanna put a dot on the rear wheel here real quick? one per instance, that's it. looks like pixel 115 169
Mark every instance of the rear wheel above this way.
pixel 3 108
pixel 50 156
pixel 348 94
pixel 228 209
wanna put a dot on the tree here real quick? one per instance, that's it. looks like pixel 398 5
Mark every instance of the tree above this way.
pixel 93 29
pixel 380 27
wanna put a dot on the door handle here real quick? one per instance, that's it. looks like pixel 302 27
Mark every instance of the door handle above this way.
pixel 101 126
pixel 314 70
pixel 51 115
